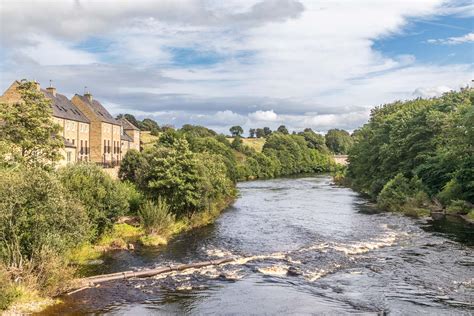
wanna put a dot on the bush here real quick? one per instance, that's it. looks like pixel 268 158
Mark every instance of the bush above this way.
pixel 459 207
pixel 103 198
pixel 402 195
pixel 130 165
pixel 135 198
pixel 156 217
pixel 8 292
pixel 37 213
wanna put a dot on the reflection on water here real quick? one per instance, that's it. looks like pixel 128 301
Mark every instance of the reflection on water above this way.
pixel 302 246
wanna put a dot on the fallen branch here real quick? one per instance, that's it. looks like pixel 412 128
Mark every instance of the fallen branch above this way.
pixel 92 281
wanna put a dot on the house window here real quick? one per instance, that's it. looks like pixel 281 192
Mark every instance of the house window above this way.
pixel 108 145
pixel 82 147
pixel 105 146
pixel 87 149
pixel 73 141
pixel 68 156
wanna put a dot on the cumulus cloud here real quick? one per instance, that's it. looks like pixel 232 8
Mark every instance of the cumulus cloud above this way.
pixel 247 62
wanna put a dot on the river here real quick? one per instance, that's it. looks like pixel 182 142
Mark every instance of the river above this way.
pixel 347 258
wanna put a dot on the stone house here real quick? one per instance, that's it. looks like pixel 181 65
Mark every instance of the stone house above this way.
pixel 108 139
pixel 131 136
pixel 75 125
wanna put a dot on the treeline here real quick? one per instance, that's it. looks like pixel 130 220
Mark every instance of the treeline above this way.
pixel 147 124
pixel 417 155
pixel 282 154
pixel 338 141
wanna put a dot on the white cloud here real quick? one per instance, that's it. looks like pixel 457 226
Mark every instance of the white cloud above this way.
pixel 467 38
pixel 265 116
pixel 298 63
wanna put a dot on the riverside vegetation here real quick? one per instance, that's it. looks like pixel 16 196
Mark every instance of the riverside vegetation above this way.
pixel 417 156
pixel 52 219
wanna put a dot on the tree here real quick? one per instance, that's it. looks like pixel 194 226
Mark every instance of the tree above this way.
pixel 252 132
pixel 282 129
pixel 237 143
pixel 267 131
pixel 150 125
pixel 29 130
pixel 236 131
pixel 130 165
pixel 130 118
pixel 102 197
pixel 260 133
pixel 338 141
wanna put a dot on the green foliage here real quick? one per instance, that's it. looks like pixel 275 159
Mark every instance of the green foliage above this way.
pixel 282 129
pixel 338 141
pixel 237 143
pixel 36 213
pixel 156 217
pixel 134 197
pixel 130 165
pixel 459 207
pixel 259 133
pixel 252 132
pixel 149 125
pixel 432 139
pixel 314 140
pixel 236 131
pixel 28 133
pixel 103 198
pixel 402 195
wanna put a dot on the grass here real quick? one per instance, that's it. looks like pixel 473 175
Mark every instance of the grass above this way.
pixel 255 143
pixel 147 139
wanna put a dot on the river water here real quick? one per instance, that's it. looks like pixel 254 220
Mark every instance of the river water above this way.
pixel 347 259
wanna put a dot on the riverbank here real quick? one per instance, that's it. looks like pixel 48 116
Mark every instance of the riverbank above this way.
pixel 347 260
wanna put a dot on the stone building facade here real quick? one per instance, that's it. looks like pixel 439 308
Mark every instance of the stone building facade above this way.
pixel 75 125
pixel 89 131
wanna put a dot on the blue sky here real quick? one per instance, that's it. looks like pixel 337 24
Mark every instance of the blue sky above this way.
pixel 414 40
pixel 302 63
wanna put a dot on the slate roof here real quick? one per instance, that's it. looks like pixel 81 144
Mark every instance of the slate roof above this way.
pixel 99 110
pixel 64 108
pixel 126 137
pixel 127 125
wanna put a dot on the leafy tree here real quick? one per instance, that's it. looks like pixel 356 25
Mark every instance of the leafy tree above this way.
pixel 150 125
pixel 260 133
pixel 130 165
pixel 36 213
pixel 267 131
pixel 236 131
pixel 237 143
pixel 338 141
pixel 102 197
pixel 282 129
pixel 252 132
pixel 314 140
pixel 430 139
pixel 28 131
pixel 131 118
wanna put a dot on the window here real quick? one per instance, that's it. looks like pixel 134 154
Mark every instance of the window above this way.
pixel 105 146
pixel 82 147
pixel 108 145
pixel 87 149
pixel 68 156
pixel 73 141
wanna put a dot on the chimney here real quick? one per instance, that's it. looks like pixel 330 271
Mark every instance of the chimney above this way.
pixel 51 89
pixel 88 95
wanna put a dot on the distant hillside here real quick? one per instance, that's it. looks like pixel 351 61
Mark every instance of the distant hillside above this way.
pixel 255 143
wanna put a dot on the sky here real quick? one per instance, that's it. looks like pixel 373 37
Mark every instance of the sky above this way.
pixel 255 63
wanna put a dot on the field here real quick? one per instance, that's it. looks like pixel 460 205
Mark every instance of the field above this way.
pixel 255 143
pixel 147 139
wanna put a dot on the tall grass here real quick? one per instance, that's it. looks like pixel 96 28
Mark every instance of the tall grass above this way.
pixel 156 217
